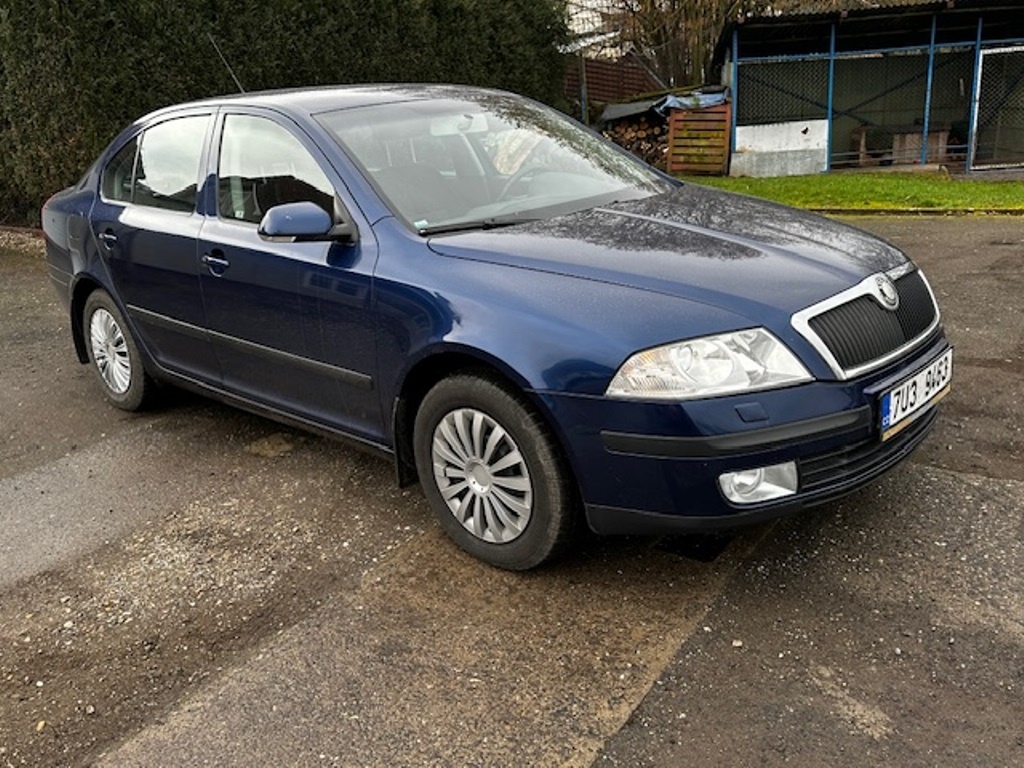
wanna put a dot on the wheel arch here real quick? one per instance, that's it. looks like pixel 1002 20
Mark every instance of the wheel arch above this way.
pixel 80 292
pixel 427 372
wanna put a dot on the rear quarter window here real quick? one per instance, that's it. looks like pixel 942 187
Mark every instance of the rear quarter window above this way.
pixel 116 184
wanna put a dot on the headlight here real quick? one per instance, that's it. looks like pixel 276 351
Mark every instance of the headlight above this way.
pixel 742 361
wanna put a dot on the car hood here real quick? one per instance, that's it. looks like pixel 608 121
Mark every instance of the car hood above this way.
pixel 696 243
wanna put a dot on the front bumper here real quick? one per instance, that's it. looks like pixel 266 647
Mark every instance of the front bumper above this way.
pixel 823 478
pixel 648 468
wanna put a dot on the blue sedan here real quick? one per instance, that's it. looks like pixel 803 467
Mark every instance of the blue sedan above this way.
pixel 538 328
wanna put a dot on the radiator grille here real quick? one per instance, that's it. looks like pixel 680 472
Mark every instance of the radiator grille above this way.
pixel 862 331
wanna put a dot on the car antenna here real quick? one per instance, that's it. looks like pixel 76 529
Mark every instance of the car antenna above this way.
pixel 225 61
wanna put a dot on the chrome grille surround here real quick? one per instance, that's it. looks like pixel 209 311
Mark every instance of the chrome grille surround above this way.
pixel 858 304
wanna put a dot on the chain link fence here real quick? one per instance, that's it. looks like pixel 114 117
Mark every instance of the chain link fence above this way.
pixel 1000 115
pixel 782 92
pixel 951 100
pixel 878 103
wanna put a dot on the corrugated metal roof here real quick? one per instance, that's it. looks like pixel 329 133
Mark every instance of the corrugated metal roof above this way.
pixel 816 7
pixel 796 27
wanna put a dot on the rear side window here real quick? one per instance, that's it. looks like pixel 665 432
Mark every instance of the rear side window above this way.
pixel 160 168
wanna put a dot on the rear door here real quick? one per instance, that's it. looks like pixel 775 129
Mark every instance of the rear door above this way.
pixel 146 225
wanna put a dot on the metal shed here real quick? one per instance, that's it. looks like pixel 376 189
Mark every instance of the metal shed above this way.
pixel 840 84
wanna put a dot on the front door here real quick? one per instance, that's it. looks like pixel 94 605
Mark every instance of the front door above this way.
pixel 263 300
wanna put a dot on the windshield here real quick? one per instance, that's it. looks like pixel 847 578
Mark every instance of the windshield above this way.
pixel 486 160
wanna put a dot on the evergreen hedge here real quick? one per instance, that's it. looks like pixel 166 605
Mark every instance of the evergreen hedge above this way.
pixel 73 74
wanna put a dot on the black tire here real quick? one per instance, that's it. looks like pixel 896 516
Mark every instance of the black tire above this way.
pixel 113 354
pixel 486 517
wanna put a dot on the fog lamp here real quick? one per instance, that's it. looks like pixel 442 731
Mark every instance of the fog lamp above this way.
pixel 749 486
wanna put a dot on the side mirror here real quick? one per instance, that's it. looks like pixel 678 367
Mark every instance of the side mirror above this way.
pixel 306 222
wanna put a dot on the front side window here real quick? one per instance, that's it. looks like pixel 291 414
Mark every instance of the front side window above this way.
pixel 263 165
pixel 159 168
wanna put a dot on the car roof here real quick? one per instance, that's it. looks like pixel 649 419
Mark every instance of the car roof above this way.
pixel 333 97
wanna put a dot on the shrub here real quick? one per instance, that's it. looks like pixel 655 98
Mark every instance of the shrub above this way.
pixel 73 74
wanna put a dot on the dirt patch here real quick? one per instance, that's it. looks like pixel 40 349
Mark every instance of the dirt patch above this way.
pixel 91 653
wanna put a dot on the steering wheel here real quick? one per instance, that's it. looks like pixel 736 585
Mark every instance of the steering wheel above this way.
pixel 524 173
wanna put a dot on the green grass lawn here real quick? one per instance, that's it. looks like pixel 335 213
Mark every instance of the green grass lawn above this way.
pixel 879 191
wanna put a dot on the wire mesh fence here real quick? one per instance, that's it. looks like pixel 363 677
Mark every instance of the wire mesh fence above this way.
pixel 999 124
pixel 783 91
pixel 878 100
pixel 951 100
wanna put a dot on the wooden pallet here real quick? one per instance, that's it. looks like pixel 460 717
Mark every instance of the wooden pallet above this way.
pixel 698 140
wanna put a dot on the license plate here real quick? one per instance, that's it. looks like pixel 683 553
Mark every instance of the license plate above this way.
pixel 912 396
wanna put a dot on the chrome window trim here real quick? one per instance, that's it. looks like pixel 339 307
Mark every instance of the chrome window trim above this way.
pixel 801 321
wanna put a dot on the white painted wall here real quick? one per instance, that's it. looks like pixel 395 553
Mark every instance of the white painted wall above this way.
pixel 781 149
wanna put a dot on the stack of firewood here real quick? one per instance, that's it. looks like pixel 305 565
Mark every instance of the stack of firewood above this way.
pixel 641 135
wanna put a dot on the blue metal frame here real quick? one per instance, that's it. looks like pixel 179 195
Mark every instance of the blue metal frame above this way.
pixel 928 91
pixel 1001 102
pixel 968 44
pixel 975 89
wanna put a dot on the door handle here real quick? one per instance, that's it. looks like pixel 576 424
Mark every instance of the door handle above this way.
pixel 108 238
pixel 215 262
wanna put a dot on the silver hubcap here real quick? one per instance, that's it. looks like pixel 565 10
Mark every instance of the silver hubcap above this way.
pixel 110 351
pixel 482 476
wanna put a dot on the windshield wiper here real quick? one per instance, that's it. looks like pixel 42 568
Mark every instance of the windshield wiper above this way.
pixel 465 226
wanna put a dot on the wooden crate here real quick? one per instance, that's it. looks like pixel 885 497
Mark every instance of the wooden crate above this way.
pixel 698 140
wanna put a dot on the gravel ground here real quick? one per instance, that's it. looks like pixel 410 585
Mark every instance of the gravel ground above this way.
pixel 19 240
pixel 196 586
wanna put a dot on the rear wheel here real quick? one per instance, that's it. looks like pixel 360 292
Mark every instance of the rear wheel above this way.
pixel 491 472
pixel 113 353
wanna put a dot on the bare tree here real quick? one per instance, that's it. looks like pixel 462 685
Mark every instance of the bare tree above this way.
pixel 677 37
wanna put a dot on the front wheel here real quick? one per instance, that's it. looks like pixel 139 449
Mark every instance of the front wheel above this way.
pixel 491 472
pixel 113 353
